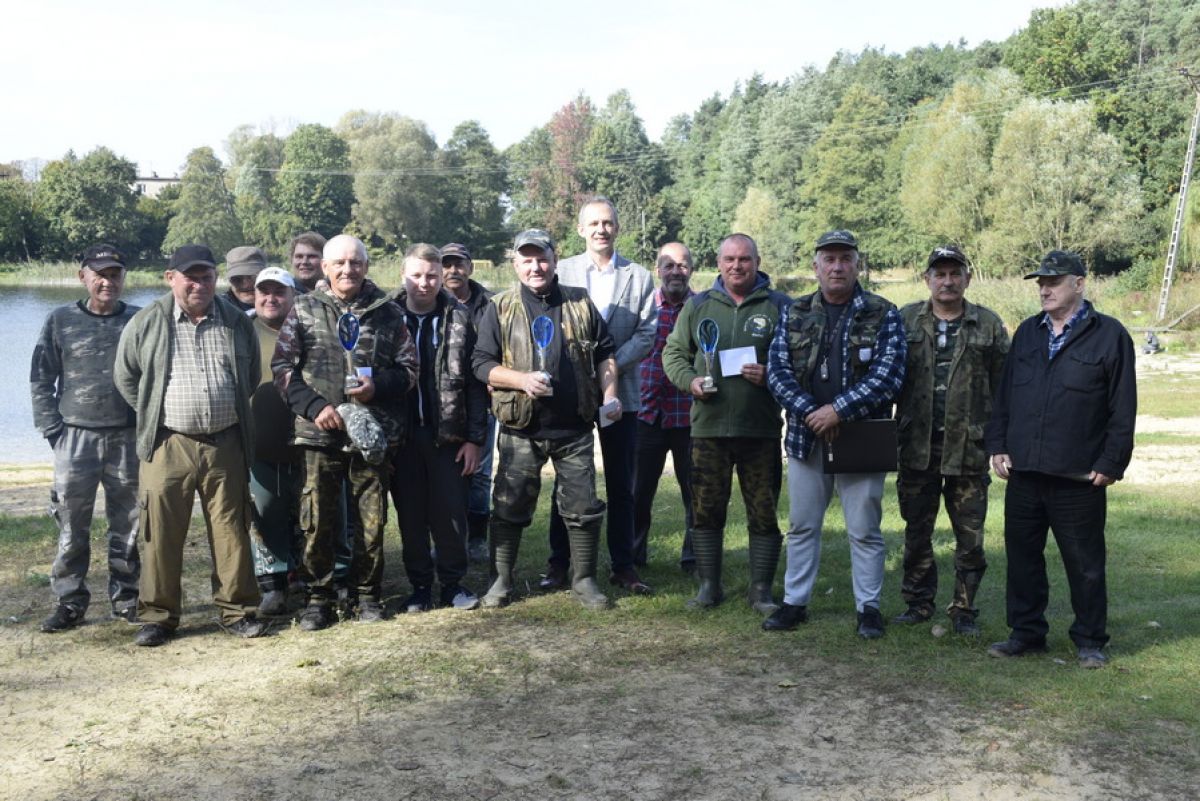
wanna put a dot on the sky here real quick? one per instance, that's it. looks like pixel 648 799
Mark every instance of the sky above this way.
pixel 153 80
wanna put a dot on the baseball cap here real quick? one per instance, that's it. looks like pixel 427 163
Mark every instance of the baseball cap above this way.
pixel 948 253
pixel 536 237
pixel 276 274
pixel 97 257
pixel 837 237
pixel 455 251
pixel 1059 262
pixel 245 260
pixel 188 256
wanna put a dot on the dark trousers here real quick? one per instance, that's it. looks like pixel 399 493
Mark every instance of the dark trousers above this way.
pixel 1075 511
pixel 430 493
pixel 653 444
pixel 617 452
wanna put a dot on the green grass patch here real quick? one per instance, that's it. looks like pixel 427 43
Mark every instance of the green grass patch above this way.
pixel 1169 394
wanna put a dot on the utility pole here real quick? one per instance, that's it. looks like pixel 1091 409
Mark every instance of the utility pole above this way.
pixel 1181 207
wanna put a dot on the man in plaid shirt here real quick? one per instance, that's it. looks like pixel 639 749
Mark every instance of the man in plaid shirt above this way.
pixel 664 418
pixel 838 355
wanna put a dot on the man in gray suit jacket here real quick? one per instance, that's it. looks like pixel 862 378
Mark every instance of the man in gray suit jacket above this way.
pixel 624 293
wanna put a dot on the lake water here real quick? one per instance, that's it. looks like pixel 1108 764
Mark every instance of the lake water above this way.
pixel 22 313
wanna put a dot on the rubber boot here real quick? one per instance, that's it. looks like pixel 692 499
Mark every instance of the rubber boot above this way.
pixel 709 547
pixel 764 557
pixel 585 543
pixel 505 541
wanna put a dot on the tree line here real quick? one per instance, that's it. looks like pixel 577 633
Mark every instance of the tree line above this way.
pixel 1070 134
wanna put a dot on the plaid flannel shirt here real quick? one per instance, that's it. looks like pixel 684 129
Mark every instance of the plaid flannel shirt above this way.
pixel 874 392
pixel 1058 340
pixel 660 401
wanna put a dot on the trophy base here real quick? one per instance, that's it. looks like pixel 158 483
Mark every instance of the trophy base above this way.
pixel 352 382
pixel 708 387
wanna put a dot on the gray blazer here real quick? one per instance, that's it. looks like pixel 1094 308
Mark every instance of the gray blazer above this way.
pixel 632 322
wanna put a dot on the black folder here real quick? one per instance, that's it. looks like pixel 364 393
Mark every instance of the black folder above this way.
pixel 862 446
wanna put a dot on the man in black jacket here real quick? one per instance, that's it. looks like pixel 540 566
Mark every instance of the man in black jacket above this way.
pixel 1061 431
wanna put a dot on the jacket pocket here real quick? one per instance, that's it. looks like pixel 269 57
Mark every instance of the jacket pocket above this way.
pixel 1082 372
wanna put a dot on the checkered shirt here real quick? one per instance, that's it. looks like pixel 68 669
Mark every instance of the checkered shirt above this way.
pixel 201 395
pixel 661 402
pixel 1058 340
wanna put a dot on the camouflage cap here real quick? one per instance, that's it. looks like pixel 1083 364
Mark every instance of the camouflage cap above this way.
pixel 97 257
pixel 536 237
pixel 1059 262
pixel 245 260
pixel 455 251
pixel 188 256
pixel 947 253
pixel 839 237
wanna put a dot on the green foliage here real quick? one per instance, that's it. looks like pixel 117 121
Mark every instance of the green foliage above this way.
pixel 88 200
pixel 314 185
pixel 476 179
pixel 255 161
pixel 204 212
pixel 1065 49
pixel 22 228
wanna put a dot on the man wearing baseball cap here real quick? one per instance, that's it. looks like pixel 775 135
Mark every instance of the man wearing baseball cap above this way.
pixel 956 353
pixel 188 364
pixel 243 264
pixel 90 430
pixel 546 352
pixel 1061 432
pixel 837 356
pixel 278 469
pixel 457 268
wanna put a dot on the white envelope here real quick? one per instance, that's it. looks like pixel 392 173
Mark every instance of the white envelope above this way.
pixel 733 359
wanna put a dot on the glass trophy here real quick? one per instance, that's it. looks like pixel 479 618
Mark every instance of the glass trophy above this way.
pixel 543 335
pixel 707 333
pixel 348 331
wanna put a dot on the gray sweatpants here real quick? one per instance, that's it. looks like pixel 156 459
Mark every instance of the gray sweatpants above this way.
pixel 85 459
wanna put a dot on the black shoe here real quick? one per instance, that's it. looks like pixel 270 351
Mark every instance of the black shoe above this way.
pixel 370 612
pixel 316 617
pixel 248 627
pixel 786 618
pixel 965 626
pixel 273 604
pixel 421 600
pixel 1015 647
pixel 555 579
pixel 913 615
pixel 870 623
pixel 152 635
pixel 62 618
pixel 459 597
pixel 628 579
pixel 1092 658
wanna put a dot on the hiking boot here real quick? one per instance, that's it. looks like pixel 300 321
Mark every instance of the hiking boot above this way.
pixel 965 626
pixel 786 618
pixel 913 615
pixel 273 604
pixel 248 627
pixel 370 612
pixel 62 618
pixel 628 579
pixel 151 635
pixel 1092 658
pixel 1015 647
pixel 870 623
pixel 316 617
pixel 459 597
pixel 421 600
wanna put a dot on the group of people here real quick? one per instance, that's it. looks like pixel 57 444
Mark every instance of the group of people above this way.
pixel 297 402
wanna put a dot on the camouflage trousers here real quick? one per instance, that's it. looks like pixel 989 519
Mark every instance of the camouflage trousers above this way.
pixel 920 493
pixel 321 508
pixel 275 491
pixel 85 459
pixel 519 481
pixel 759 466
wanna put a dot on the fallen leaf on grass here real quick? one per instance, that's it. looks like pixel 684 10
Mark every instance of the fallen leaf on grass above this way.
pixel 993 746
pixel 308 663
pixel 537 735
pixel 788 684
pixel 1154 624
pixel 407 765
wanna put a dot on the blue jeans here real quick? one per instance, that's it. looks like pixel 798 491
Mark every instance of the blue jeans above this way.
pixel 809 493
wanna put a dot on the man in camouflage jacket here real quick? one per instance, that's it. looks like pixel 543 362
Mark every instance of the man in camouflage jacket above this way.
pixel 956 354
pixel 310 370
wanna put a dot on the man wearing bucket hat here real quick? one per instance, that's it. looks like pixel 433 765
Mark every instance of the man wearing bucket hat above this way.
pixel 1061 432
pixel 956 352
pixel 90 429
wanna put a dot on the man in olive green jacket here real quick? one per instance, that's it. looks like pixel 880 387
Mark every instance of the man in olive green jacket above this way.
pixel 956 353
pixel 735 424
